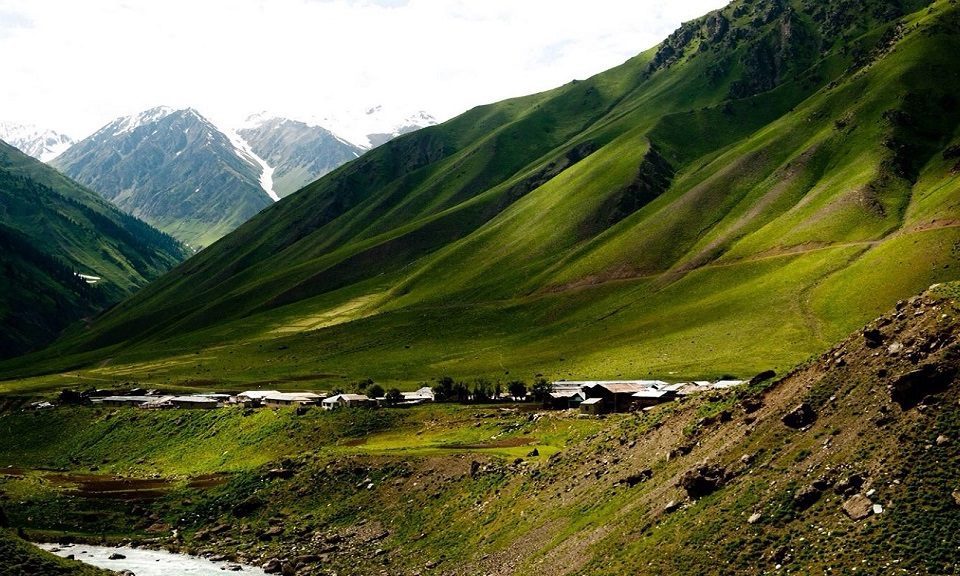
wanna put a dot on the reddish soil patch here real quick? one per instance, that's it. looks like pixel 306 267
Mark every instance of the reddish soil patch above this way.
pixel 113 488
pixel 208 480
pixel 12 471
pixel 354 442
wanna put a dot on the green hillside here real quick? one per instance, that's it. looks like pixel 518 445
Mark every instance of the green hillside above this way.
pixel 739 197
pixel 52 229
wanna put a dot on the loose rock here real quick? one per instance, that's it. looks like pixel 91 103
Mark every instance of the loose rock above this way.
pixel 703 480
pixel 801 416
pixel 858 507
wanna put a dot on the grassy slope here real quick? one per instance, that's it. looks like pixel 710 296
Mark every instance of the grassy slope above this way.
pixel 50 228
pixel 563 511
pixel 506 240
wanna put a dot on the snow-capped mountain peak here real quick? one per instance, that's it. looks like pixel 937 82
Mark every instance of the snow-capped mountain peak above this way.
pixel 132 122
pixel 41 143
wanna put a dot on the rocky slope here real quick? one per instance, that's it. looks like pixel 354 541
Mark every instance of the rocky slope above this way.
pixel 174 169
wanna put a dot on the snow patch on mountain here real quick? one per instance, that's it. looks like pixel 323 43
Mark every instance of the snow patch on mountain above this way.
pixel 370 127
pixel 41 143
pixel 246 152
pixel 131 123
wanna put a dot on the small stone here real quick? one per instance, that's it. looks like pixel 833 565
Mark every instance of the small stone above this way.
pixel 894 348
pixel 942 440
pixel 877 509
pixel 956 497
pixel 754 518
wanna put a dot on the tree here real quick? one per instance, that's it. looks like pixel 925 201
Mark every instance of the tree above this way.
pixel 362 384
pixel 461 392
pixel 541 389
pixel 517 389
pixel 394 397
pixel 482 390
pixel 375 391
pixel 443 391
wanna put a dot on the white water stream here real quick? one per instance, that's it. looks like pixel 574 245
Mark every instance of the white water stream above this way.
pixel 147 562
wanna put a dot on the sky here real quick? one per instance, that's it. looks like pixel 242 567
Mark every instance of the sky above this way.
pixel 73 66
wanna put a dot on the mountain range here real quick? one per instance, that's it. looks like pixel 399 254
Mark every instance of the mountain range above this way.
pixel 737 198
pixel 197 180
pixel 41 143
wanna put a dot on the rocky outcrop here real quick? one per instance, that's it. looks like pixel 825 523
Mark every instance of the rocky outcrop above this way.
pixel 800 417
pixel 704 480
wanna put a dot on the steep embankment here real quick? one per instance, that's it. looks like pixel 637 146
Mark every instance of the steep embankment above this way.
pixel 20 558
pixel 51 230
pixel 846 465
pixel 765 180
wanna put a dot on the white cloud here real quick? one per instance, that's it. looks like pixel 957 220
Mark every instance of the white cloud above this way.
pixel 80 64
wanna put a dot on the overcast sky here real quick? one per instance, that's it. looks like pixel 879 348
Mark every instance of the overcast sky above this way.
pixel 73 65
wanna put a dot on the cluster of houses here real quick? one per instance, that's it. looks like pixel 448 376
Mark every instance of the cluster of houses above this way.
pixel 257 398
pixel 589 396
pixel 599 397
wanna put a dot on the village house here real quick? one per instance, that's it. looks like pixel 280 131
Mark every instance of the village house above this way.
pixel 126 401
pixel 254 397
pixel 194 402
pixel 420 396
pixel 652 397
pixel 563 397
pixel 278 399
pixel 618 396
pixel 347 401
pixel 592 406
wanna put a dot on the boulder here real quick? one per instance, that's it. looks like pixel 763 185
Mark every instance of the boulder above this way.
pixel 763 376
pixel 754 518
pixel 800 417
pixel 806 497
pixel 942 440
pixel 703 480
pixel 849 485
pixel 872 337
pixel 116 556
pixel 271 532
pixel 910 388
pixel 272 566
pixel 533 453
pixel 282 473
pixel 858 507
pixel 956 497
pixel 641 476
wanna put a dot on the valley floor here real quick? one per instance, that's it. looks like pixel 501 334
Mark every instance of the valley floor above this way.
pixel 847 465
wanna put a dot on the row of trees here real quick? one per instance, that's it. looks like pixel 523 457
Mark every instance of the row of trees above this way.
pixel 483 390
pixel 449 390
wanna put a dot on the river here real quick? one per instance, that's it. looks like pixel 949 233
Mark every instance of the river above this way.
pixel 144 562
